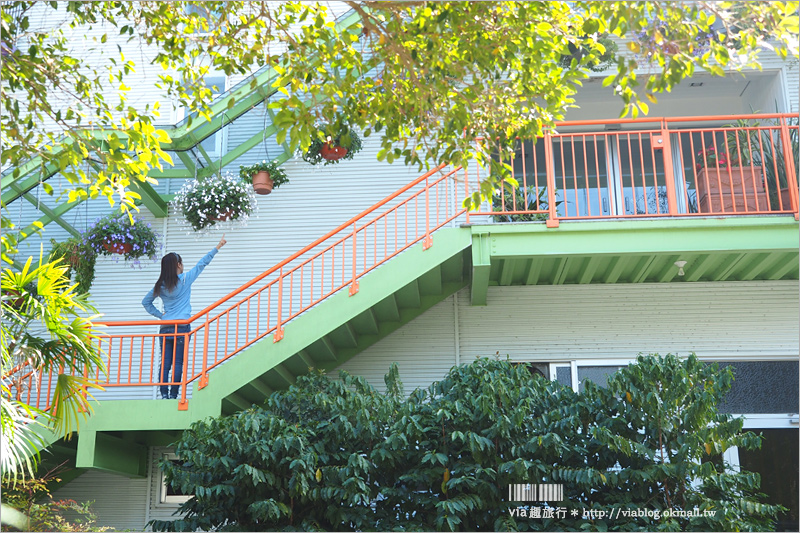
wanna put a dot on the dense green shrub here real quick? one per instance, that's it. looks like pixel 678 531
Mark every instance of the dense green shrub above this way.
pixel 338 455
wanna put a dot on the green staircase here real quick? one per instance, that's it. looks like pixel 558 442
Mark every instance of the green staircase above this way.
pixel 116 437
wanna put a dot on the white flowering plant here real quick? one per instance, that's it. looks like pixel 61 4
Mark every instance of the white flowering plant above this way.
pixel 208 202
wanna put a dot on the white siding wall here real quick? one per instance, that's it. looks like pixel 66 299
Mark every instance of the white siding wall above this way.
pixel 547 323
pixel 119 502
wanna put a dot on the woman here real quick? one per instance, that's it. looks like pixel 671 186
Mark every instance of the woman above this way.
pixel 175 290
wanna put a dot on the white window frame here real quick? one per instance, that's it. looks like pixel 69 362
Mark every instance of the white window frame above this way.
pixel 164 498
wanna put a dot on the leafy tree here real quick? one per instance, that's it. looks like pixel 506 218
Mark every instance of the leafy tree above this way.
pixel 44 329
pixel 337 455
pixel 419 73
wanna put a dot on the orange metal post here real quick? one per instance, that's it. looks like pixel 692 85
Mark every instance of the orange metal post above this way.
pixel 279 327
pixel 791 177
pixel 428 240
pixel 354 283
pixel 204 369
pixel 183 403
pixel 661 142
pixel 552 220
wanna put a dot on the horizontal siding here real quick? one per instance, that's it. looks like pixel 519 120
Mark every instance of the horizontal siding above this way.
pixel 730 320
pixel 118 501
pixel 743 320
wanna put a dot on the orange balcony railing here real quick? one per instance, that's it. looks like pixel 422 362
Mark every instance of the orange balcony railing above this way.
pixel 675 167
pixel 588 170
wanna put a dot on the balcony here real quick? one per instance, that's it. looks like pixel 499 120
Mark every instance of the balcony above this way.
pixel 671 167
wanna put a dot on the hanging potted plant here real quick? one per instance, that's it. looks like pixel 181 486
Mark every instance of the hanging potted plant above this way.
pixel 332 144
pixel 263 176
pixel 208 202
pixel 78 257
pixel 122 234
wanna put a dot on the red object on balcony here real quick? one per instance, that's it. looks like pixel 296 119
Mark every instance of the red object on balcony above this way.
pixel 120 248
pixel 331 152
pixel 731 190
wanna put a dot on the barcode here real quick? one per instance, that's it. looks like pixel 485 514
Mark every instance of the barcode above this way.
pixel 531 492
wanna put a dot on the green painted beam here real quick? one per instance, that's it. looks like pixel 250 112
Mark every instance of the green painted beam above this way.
pixel 239 401
pixel 644 268
pixel 561 271
pixel 534 271
pixel 507 271
pixel 44 220
pixel 431 282
pixel 780 270
pixel 50 214
pixel 590 265
pixel 329 348
pixel 349 334
pixel 191 166
pixel 765 262
pixel 731 268
pixel 307 359
pixel 667 236
pixel 698 268
pixel 287 376
pixel 616 268
pixel 669 271
pixel 261 388
pixel 481 267
pixel 150 198
pixel 111 454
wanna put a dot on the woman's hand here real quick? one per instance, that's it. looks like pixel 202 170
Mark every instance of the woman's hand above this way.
pixel 222 242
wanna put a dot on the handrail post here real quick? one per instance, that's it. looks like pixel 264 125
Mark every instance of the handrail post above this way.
pixel 183 403
pixel 204 370
pixel 428 240
pixel 662 140
pixel 466 189
pixel 550 176
pixel 354 283
pixel 791 177
pixel 279 328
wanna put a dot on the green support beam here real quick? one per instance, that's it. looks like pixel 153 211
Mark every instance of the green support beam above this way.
pixel 51 214
pixel 111 454
pixel 151 199
pixel 481 267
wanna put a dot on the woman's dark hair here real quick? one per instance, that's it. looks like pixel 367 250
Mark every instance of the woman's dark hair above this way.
pixel 169 273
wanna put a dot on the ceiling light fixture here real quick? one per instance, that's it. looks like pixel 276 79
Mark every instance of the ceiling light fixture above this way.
pixel 680 265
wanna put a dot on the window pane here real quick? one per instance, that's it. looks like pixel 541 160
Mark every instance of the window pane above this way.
pixel 763 387
pixel 564 376
pixel 597 374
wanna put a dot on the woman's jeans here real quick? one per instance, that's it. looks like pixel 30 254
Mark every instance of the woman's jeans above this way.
pixel 172 349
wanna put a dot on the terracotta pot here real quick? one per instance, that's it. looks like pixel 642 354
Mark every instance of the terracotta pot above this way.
pixel 332 152
pixel 786 199
pixel 262 183
pixel 18 302
pixel 120 248
pixel 222 217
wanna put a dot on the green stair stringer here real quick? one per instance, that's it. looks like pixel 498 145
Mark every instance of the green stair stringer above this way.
pixel 116 437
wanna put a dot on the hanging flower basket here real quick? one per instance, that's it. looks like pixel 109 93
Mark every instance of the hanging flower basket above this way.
pixel 263 176
pixel 116 247
pixel 331 145
pixel 332 152
pixel 211 202
pixel 78 257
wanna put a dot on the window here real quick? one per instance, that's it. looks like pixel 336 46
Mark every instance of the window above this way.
pixel 167 494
